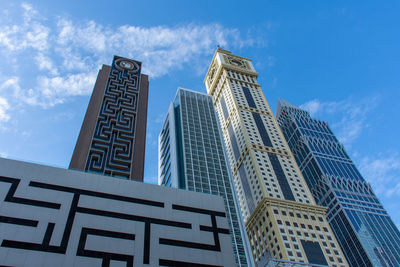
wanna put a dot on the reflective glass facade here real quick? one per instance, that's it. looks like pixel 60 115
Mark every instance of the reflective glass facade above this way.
pixel 363 228
pixel 191 156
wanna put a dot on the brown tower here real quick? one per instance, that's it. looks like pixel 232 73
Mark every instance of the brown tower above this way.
pixel 113 134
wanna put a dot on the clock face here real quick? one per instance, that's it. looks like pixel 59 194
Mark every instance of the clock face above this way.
pixel 126 65
pixel 237 62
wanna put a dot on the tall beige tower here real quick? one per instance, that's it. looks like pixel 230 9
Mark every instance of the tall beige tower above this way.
pixel 282 220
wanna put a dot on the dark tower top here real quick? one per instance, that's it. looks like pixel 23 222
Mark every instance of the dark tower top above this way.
pixel 113 134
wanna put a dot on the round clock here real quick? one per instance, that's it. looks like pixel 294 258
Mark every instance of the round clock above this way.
pixel 126 65
pixel 237 62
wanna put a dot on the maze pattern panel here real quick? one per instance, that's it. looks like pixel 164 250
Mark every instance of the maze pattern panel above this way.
pixel 111 149
pixel 52 217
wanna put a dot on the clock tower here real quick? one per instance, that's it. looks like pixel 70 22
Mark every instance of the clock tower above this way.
pixel 282 220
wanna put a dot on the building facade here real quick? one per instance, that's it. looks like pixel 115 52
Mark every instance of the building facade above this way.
pixel 113 134
pixel 362 226
pixel 191 157
pixel 282 219
pixel 57 217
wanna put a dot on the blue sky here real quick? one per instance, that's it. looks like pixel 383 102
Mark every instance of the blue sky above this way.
pixel 338 59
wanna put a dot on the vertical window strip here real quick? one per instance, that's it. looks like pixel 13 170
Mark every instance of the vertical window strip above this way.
pixel 224 109
pixel 234 144
pixel 280 175
pixel 246 188
pixel 249 97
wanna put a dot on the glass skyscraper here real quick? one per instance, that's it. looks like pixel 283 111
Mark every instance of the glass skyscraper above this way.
pixel 363 228
pixel 283 222
pixel 191 157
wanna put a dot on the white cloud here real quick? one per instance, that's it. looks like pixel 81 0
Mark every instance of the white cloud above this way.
pixel 349 115
pixel 45 63
pixel 11 83
pixel 54 90
pixel 68 54
pixel 29 34
pixel 312 107
pixel 12 88
pixel 160 48
pixel 382 171
pixel 4 106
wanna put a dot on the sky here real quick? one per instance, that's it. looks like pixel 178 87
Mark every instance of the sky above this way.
pixel 337 59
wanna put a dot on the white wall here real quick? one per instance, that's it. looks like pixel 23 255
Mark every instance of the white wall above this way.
pixel 46 213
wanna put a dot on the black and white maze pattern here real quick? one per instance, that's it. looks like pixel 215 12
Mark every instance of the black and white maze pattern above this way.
pixel 78 207
pixel 113 140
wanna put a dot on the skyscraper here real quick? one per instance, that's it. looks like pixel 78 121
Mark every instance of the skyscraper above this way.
pixel 362 226
pixel 191 157
pixel 282 220
pixel 113 134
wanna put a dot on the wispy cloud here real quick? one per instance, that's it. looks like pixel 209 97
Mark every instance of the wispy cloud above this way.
pixel 313 106
pixel 66 54
pixel 382 171
pixel 160 118
pixel 4 106
pixel 349 116
pixel 45 63
pixel 160 48
pixel 29 34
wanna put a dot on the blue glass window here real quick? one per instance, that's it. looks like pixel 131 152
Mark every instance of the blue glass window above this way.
pixel 224 109
pixel 249 97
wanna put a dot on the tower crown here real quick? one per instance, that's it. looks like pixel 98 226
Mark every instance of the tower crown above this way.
pixel 224 59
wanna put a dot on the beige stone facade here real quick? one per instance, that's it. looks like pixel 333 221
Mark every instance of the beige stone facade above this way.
pixel 281 216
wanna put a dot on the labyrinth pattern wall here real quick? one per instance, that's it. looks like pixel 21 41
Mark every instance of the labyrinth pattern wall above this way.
pixel 111 149
pixel 55 217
